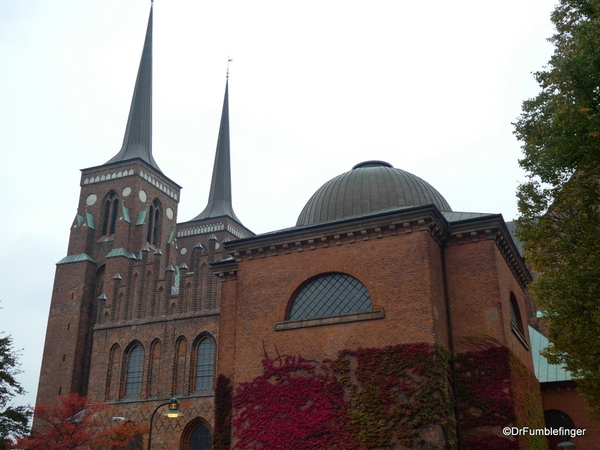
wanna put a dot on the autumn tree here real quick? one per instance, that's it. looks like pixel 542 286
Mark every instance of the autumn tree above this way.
pixel 13 419
pixel 560 203
pixel 73 425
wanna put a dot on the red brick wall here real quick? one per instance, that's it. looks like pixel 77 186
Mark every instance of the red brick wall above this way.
pixel 479 285
pixel 400 272
pixel 565 398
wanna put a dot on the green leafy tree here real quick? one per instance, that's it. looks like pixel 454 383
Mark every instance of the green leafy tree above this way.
pixel 13 420
pixel 560 204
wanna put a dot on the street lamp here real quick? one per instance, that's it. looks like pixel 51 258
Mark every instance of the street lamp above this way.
pixel 172 412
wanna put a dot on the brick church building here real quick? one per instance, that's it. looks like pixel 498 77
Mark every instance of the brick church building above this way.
pixel 145 308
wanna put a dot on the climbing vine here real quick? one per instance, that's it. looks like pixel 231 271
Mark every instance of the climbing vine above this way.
pixel 496 390
pixel 223 410
pixel 365 398
pixel 293 405
pixel 398 394
pixel 393 397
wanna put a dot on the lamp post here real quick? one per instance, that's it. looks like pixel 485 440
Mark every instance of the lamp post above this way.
pixel 566 443
pixel 172 412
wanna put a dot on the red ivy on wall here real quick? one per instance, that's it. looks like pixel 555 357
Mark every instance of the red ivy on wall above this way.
pixel 386 398
pixel 223 410
pixel 496 390
pixel 399 395
pixel 364 399
pixel 292 405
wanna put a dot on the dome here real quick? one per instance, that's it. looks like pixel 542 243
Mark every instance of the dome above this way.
pixel 369 187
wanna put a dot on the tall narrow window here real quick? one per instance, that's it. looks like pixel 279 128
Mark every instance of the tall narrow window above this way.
pixel 205 364
pixel 516 323
pixel 155 226
pixel 515 315
pixel 133 384
pixel 113 219
pixel 153 223
pixel 111 211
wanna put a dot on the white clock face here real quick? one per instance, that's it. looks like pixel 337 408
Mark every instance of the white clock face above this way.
pixel 170 213
pixel 126 191
pixel 143 196
pixel 91 199
pixel 183 251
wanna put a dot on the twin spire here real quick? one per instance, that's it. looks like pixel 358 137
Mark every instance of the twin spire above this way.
pixel 219 198
pixel 137 142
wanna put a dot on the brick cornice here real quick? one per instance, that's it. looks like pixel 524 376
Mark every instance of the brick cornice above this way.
pixel 492 228
pixel 350 231
pixel 378 226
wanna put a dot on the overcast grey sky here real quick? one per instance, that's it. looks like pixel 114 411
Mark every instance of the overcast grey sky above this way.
pixel 315 87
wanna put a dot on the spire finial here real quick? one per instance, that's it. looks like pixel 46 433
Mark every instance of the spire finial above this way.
pixel 229 59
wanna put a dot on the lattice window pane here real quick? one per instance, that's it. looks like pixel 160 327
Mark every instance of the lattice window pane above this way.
pixel 200 439
pixel 513 316
pixel 134 372
pixel 205 364
pixel 328 295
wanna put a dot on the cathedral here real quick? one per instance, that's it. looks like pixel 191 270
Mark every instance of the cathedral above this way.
pixel 145 308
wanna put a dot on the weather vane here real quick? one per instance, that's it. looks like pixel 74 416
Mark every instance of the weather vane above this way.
pixel 229 59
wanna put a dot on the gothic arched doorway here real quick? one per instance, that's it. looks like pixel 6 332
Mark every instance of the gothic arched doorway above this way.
pixel 196 435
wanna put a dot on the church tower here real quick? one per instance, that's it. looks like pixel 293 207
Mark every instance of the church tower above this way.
pixel 127 212
pixel 217 223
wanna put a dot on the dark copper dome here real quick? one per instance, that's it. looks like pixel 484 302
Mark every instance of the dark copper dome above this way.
pixel 369 187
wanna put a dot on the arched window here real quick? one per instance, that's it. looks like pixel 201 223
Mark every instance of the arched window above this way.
pixel 111 211
pixel 133 383
pixel 328 295
pixel 558 420
pixel 153 223
pixel 516 323
pixel 515 315
pixel 200 439
pixel 205 364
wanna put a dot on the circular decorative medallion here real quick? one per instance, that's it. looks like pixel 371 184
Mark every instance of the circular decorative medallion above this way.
pixel 91 199
pixel 126 191
pixel 143 196
pixel 183 251
pixel 170 213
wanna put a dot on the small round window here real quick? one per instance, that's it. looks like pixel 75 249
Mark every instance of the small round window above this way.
pixel 329 295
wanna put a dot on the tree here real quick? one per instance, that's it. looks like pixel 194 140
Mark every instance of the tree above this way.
pixel 13 420
pixel 72 425
pixel 560 204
